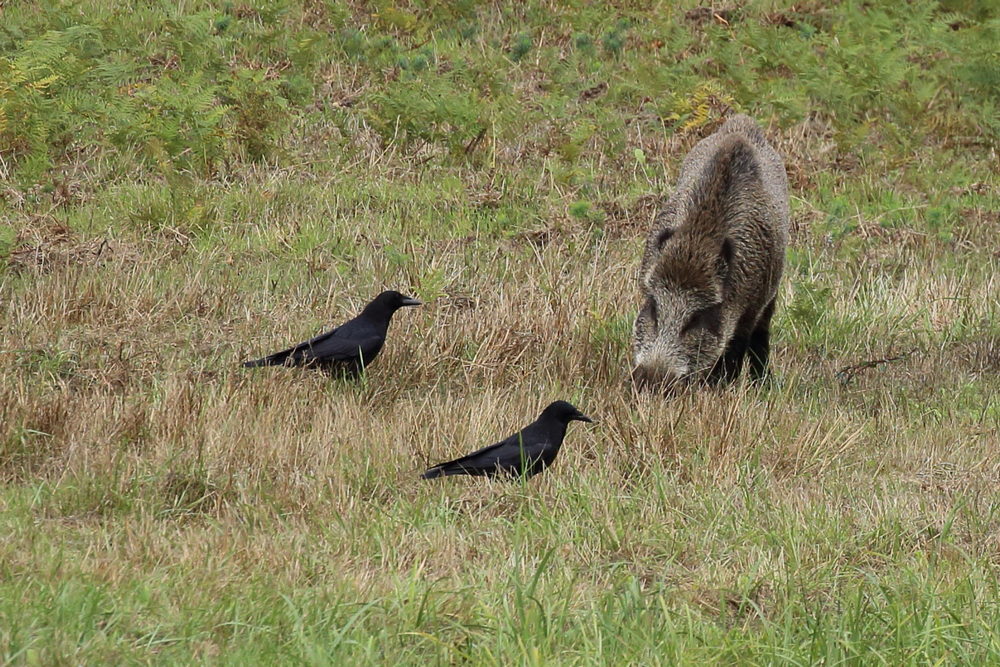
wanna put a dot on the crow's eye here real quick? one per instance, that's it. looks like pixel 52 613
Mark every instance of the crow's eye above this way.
pixel 706 318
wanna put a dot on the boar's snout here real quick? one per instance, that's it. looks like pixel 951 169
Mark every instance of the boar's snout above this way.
pixel 655 379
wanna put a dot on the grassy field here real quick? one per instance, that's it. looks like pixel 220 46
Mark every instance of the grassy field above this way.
pixel 189 184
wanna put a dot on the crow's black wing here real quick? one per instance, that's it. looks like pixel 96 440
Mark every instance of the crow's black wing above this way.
pixel 323 348
pixel 480 462
pixel 505 456
pixel 342 348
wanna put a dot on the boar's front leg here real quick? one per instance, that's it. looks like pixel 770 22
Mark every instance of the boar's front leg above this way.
pixel 729 365
pixel 759 345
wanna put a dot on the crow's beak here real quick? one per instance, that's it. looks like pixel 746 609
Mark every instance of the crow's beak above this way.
pixel 410 301
pixel 580 417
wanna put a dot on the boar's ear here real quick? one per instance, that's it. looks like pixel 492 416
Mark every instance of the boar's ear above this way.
pixel 726 255
pixel 663 237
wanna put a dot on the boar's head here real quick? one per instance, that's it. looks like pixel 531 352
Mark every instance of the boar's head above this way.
pixel 681 329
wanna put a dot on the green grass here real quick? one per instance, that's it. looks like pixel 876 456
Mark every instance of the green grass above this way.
pixel 186 186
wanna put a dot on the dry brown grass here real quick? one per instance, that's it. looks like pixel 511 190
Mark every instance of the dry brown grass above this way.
pixel 161 503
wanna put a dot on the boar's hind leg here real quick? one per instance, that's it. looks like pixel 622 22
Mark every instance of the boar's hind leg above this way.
pixel 759 344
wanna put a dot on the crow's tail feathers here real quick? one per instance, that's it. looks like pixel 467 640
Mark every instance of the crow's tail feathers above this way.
pixel 456 468
pixel 276 359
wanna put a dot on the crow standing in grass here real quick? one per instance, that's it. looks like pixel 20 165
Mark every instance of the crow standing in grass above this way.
pixel 528 452
pixel 352 346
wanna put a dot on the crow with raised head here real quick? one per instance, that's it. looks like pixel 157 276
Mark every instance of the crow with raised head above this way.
pixel 528 452
pixel 352 346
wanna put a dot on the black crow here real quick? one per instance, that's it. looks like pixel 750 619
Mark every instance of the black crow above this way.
pixel 352 346
pixel 528 452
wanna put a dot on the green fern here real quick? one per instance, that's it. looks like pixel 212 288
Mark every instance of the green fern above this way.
pixel 698 108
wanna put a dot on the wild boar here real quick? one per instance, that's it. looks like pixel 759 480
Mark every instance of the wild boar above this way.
pixel 712 263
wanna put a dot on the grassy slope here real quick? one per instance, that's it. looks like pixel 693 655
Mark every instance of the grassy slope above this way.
pixel 200 184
